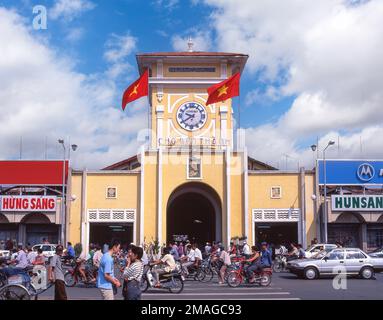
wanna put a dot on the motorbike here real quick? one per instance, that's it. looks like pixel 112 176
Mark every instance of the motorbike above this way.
pixel 238 277
pixel 172 281
pixel 73 276
pixel 280 263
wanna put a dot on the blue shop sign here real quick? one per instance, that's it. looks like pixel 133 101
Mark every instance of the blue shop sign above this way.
pixel 351 172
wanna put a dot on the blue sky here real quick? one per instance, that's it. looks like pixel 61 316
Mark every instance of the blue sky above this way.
pixel 313 71
pixel 153 24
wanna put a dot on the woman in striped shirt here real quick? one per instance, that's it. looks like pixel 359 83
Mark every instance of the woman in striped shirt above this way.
pixel 133 274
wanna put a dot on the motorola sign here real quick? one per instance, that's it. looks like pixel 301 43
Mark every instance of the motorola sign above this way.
pixel 351 172
pixel 366 172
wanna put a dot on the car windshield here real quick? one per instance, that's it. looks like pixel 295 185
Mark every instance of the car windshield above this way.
pixel 319 255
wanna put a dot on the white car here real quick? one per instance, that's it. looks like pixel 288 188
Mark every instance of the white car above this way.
pixel 48 249
pixel 316 248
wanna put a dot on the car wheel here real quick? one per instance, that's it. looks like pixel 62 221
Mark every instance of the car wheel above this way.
pixel 310 273
pixel 367 273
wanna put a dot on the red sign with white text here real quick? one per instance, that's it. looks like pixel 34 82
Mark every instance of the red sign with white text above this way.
pixel 28 203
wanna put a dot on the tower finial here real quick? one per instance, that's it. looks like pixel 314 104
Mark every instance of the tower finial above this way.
pixel 190 44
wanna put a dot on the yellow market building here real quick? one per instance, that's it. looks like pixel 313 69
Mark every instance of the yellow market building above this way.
pixel 194 178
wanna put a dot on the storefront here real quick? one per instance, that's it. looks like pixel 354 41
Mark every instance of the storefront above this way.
pixel 30 201
pixel 354 201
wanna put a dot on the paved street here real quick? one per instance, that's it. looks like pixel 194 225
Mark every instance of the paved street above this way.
pixel 285 286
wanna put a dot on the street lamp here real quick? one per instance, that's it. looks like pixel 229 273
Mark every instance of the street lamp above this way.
pixel 61 141
pixel 325 218
pixel 63 206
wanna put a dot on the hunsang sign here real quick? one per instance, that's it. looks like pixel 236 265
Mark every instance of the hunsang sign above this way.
pixel 357 203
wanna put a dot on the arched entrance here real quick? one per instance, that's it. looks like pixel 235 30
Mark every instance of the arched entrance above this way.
pixel 37 227
pixel 194 210
pixel 347 229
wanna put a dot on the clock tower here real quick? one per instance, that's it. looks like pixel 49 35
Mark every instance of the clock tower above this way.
pixel 193 182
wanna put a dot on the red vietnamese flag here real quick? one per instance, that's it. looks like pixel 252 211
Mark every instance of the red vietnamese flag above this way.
pixel 136 90
pixel 224 90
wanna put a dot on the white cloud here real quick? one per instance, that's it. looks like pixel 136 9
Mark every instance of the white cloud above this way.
pixel 42 95
pixel 118 49
pixel 70 9
pixel 327 54
pixel 75 34
pixel 167 4
pixel 201 41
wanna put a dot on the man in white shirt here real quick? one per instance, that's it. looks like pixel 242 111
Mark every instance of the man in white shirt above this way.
pixel 246 249
pixel 190 260
pixel 31 256
pixel 21 259
pixel 197 253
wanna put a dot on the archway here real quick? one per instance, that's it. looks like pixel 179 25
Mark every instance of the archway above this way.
pixel 194 210
pixel 37 226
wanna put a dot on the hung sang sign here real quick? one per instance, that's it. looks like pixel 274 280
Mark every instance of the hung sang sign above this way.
pixel 357 202
pixel 28 203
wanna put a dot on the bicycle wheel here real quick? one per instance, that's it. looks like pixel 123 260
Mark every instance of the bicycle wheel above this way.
pixel 14 292
pixel 209 274
pixel 69 279
pixel 177 285
pixel 234 279
pixel 199 275
pixel 144 284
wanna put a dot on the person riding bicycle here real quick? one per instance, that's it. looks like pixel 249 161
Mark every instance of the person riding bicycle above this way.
pixel 168 263
pixel 70 254
pixel 225 262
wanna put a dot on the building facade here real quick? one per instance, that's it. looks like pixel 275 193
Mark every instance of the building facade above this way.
pixel 193 178
pixel 30 201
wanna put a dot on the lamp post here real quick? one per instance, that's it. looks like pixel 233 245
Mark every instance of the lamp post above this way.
pixel 325 218
pixel 63 199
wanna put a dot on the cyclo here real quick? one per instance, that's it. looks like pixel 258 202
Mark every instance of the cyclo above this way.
pixel 24 284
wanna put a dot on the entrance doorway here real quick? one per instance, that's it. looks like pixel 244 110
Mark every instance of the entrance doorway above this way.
pixel 276 233
pixel 37 227
pixel 194 211
pixel 104 233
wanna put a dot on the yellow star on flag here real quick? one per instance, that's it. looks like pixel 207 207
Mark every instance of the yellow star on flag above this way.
pixel 134 90
pixel 222 90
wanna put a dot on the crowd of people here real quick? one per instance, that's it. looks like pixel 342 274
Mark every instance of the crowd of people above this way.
pixel 99 264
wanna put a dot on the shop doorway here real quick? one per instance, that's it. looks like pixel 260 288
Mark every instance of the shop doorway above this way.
pixel 104 233
pixel 194 212
pixel 39 227
pixel 276 232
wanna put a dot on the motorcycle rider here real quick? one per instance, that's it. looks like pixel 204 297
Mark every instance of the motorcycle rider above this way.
pixel 263 261
pixel 169 265
pixel 254 257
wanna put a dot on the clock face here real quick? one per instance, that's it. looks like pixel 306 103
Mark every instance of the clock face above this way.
pixel 191 116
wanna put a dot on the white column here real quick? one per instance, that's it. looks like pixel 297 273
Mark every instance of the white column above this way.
pixel 84 212
pixel 228 197
pixel 142 193
pixel 223 113
pixel 160 69
pixel 246 193
pixel 160 123
pixel 159 200
pixel 224 69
